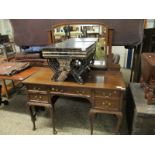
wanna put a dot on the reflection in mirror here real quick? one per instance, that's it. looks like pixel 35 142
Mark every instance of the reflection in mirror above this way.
pixel 64 32
pixel 78 48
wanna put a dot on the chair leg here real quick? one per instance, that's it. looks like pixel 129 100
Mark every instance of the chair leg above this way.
pixel 33 117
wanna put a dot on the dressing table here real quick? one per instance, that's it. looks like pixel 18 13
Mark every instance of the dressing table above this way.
pixel 103 88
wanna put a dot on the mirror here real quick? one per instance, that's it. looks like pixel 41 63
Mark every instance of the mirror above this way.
pixel 63 32
pixel 75 48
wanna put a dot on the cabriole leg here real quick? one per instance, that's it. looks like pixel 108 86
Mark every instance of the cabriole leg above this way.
pixel 91 118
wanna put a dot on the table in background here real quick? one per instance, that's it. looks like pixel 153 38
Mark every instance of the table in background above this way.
pixel 18 77
pixel 104 90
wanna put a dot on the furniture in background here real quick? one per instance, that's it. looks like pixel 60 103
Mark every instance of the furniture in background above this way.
pixel 7 47
pixel 148 76
pixel 17 77
pixel 31 54
pixel 140 115
pixel 35 59
pixel 149 40
pixel 104 91
pixel 147 45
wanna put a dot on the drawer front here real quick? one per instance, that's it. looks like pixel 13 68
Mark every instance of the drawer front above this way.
pixel 78 91
pixel 39 97
pixel 70 90
pixel 107 104
pixel 108 93
pixel 37 87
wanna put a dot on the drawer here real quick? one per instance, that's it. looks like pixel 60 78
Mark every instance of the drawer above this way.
pixel 37 87
pixel 40 97
pixel 78 91
pixel 108 93
pixel 107 104
pixel 70 90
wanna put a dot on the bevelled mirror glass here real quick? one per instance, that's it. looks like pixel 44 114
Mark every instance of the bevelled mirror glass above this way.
pixel 85 32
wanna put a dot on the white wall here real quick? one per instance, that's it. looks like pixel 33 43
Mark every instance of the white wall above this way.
pixel 150 23
pixel 6 29
pixel 123 54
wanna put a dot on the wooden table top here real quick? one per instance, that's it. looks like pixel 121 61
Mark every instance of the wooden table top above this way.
pixel 21 75
pixel 95 79
pixel 70 46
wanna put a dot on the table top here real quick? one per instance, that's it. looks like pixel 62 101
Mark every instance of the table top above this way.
pixel 21 75
pixel 75 46
pixel 71 48
pixel 95 79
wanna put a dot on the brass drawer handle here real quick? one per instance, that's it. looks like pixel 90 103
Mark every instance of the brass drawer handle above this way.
pixel 107 96
pixel 40 97
pixel 115 92
pixel 109 104
pixel 80 92
pixel 103 103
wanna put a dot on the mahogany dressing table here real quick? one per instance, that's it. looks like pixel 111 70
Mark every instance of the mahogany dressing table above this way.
pixel 103 89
